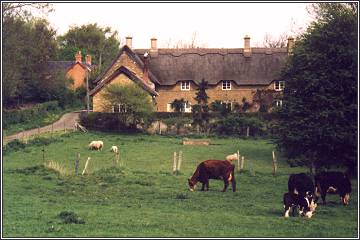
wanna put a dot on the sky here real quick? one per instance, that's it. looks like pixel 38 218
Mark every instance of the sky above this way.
pixel 216 25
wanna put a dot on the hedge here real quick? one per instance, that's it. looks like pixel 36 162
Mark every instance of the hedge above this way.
pixel 27 115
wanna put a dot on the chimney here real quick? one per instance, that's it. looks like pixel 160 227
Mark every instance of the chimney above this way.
pixel 146 67
pixel 153 50
pixel 78 57
pixel 247 48
pixel 290 45
pixel 88 59
pixel 129 42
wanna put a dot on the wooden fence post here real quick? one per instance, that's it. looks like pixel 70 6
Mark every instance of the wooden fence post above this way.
pixel 86 165
pixel 174 165
pixel 242 162
pixel 64 127
pixel 274 163
pixel 179 161
pixel 43 153
pixel 247 131
pixel 38 130
pixel 77 164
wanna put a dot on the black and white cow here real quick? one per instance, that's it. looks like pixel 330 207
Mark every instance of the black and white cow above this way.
pixel 300 195
pixel 305 205
pixel 333 183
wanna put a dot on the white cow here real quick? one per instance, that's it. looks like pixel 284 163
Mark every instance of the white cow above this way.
pixel 96 145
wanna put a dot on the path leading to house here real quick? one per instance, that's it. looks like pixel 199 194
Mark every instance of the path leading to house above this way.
pixel 67 121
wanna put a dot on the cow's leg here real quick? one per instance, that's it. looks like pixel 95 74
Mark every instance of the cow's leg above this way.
pixel 233 184
pixel 323 196
pixel 287 210
pixel 203 186
pixel 207 185
pixel 226 184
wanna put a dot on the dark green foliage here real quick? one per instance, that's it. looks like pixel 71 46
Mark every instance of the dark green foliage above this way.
pixel 222 108
pixel 237 126
pixel 318 120
pixel 29 114
pixel 69 217
pixel 201 109
pixel 14 145
pixel 100 42
pixel 107 122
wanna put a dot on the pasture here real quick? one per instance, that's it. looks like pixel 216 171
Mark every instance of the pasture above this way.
pixel 143 198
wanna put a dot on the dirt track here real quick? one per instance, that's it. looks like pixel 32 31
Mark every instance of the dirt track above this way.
pixel 67 121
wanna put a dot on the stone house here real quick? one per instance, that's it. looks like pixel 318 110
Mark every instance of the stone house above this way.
pixel 76 70
pixel 233 74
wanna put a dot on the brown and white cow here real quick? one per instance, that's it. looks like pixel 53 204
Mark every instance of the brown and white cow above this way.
pixel 213 169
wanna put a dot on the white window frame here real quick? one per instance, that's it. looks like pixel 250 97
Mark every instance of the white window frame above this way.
pixel 185 85
pixel 120 107
pixel 279 85
pixel 278 103
pixel 187 107
pixel 226 85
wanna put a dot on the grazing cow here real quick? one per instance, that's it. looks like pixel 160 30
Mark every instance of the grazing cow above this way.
pixel 114 149
pixel 213 169
pixel 333 183
pixel 301 184
pixel 232 157
pixel 96 145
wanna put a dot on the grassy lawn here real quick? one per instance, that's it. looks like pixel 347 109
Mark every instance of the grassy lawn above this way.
pixel 143 198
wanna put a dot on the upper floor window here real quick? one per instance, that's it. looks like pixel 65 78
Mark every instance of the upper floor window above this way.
pixel 279 85
pixel 185 85
pixel 226 85
pixel 121 108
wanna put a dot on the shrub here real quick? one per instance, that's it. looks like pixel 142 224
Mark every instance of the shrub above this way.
pixel 70 217
pixel 14 145
pixel 28 115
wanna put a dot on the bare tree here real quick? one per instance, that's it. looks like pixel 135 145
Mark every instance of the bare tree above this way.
pixel 24 9
pixel 272 42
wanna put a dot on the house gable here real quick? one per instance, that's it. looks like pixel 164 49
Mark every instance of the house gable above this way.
pixel 131 61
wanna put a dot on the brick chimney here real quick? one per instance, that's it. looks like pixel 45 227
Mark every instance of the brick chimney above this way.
pixel 290 45
pixel 129 42
pixel 146 67
pixel 78 57
pixel 247 48
pixel 153 49
pixel 88 59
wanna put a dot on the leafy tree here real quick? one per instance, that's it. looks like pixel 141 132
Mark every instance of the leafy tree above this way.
pixel 201 109
pixel 220 107
pixel 100 42
pixel 137 103
pixel 23 10
pixel 265 98
pixel 318 120
pixel 27 46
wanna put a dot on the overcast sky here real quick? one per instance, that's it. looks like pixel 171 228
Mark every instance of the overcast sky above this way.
pixel 217 25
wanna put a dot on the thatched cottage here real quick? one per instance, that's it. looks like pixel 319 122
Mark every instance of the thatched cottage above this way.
pixel 167 74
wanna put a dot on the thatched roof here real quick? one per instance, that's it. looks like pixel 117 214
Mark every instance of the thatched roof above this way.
pixel 260 68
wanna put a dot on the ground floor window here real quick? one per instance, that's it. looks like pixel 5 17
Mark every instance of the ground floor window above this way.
pixel 186 107
pixel 119 108
pixel 278 103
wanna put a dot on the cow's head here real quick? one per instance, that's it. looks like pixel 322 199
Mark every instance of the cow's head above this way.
pixel 307 206
pixel 192 185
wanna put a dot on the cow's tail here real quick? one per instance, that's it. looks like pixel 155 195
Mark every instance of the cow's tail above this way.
pixel 317 191
pixel 233 181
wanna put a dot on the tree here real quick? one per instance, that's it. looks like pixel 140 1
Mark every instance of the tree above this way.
pixel 100 42
pixel 23 10
pixel 271 42
pixel 27 45
pixel 201 109
pixel 318 121
pixel 135 103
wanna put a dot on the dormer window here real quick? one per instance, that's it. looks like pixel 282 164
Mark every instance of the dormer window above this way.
pixel 279 85
pixel 185 85
pixel 226 85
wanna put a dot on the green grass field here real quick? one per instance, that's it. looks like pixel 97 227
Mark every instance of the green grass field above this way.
pixel 143 198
